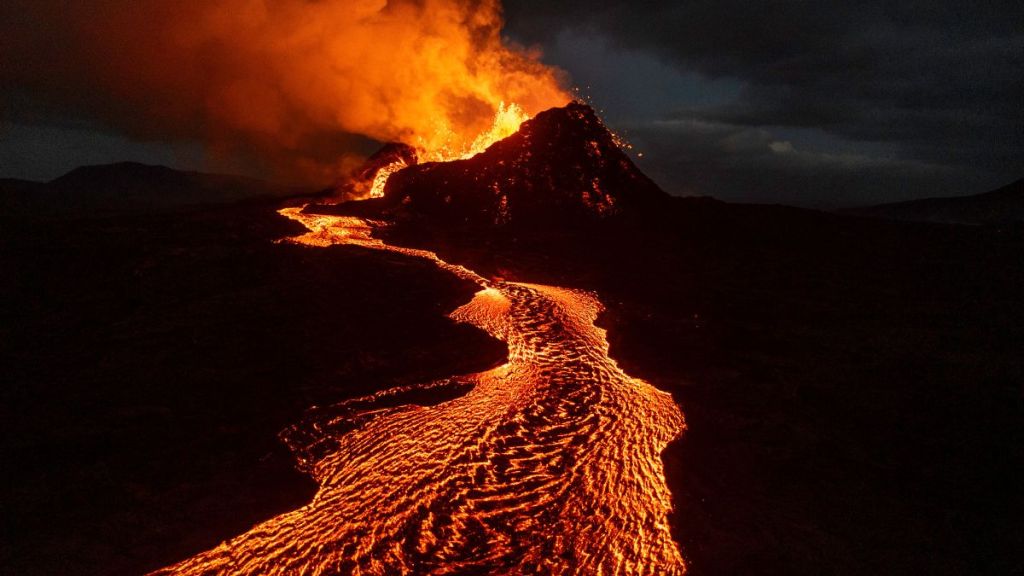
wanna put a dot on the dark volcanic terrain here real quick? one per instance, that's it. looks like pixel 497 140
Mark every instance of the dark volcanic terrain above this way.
pixel 853 387
pixel 150 359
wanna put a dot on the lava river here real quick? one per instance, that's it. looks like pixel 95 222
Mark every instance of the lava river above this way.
pixel 549 464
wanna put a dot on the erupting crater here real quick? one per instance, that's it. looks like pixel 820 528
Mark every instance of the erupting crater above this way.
pixel 549 464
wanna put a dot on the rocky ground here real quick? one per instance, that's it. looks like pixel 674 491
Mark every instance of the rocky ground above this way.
pixel 150 360
pixel 853 388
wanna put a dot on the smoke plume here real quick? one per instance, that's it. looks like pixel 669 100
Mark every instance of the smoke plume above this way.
pixel 293 85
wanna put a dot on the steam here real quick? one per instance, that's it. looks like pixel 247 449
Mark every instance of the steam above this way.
pixel 293 85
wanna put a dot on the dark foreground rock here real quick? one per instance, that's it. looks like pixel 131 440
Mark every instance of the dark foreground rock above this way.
pixel 149 362
pixel 854 388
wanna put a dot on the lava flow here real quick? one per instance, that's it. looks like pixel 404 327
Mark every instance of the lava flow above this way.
pixel 549 464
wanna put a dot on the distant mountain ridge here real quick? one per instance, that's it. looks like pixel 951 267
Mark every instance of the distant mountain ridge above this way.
pixel 130 187
pixel 1003 205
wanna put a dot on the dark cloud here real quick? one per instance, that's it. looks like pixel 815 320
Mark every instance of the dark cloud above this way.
pixel 939 84
pixel 294 87
pixel 731 162
pixel 820 103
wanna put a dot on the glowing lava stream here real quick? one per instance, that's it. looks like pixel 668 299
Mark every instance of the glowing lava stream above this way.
pixel 550 464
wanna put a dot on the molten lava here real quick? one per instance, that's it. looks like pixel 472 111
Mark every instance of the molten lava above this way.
pixel 380 179
pixel 550 464
pixel 506 122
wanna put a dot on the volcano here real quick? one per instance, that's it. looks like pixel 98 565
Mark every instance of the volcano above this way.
pixel 562 167
pixel 486 368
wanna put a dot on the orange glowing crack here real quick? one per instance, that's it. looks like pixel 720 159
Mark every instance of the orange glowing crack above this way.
pixel 550 464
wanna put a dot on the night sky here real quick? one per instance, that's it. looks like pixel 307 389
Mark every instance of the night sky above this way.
pixel 822 104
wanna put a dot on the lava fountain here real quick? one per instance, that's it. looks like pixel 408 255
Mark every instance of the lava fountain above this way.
pixel 549 464
pixel 506 121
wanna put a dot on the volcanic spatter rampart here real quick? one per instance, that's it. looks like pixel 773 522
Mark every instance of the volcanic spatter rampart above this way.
pixel 563 165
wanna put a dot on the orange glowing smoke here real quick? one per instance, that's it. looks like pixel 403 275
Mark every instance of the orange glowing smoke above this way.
pixel 289 85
